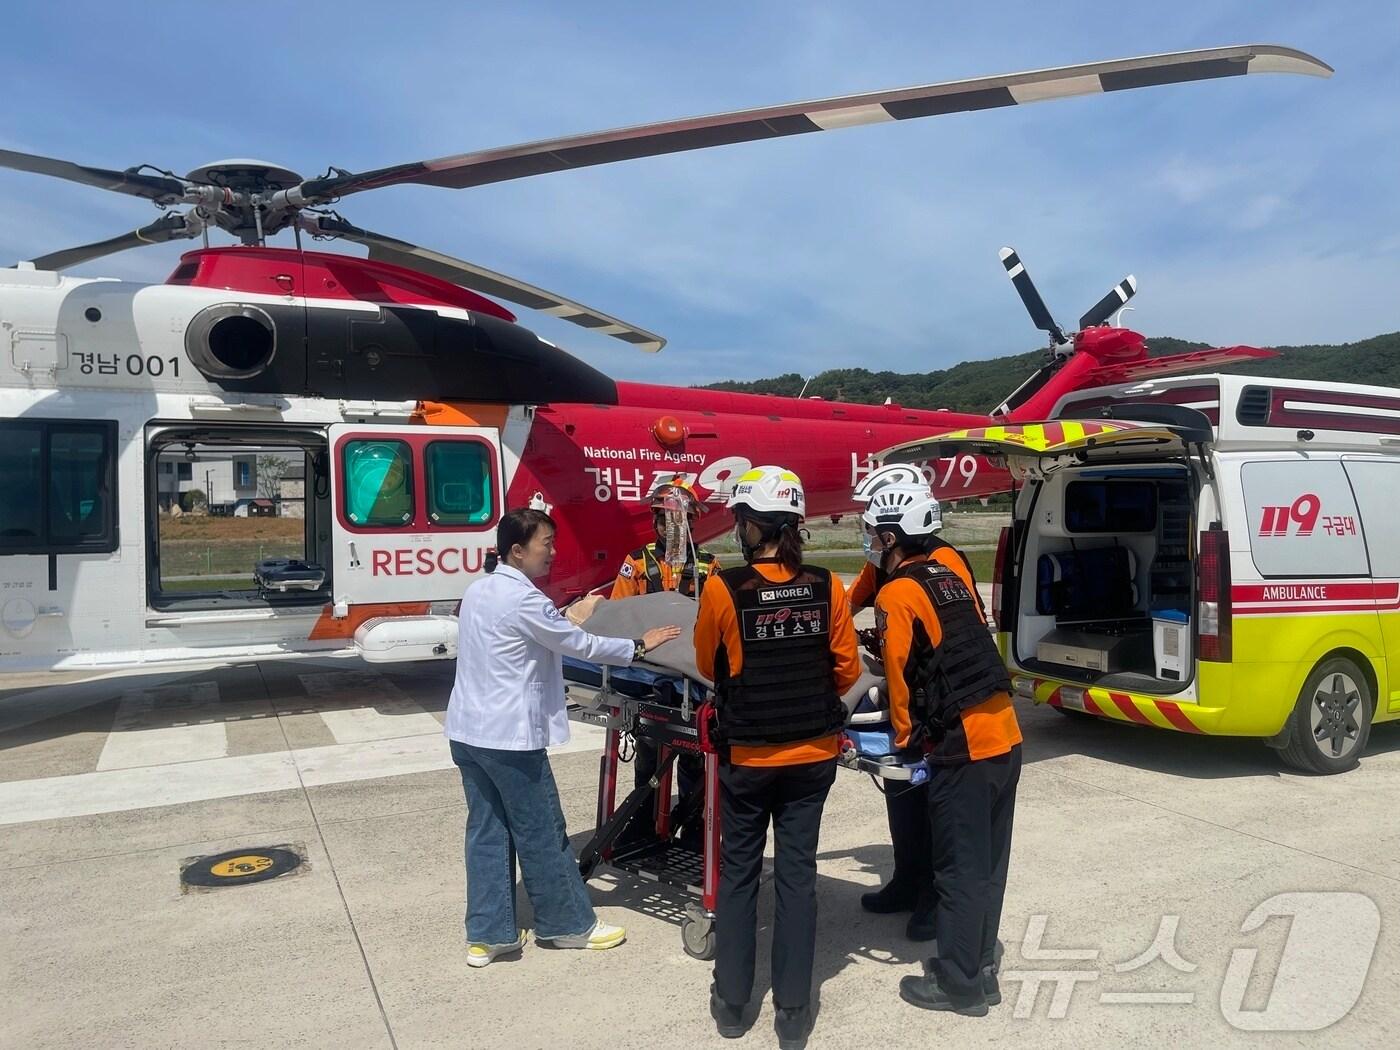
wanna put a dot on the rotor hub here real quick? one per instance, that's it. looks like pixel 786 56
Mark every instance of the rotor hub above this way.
pixel 245 175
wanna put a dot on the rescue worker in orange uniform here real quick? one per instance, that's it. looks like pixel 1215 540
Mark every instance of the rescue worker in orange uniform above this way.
pixel 906 806
pixel 868 582
pixel 776 638
pixel 950 700
pixel 647 570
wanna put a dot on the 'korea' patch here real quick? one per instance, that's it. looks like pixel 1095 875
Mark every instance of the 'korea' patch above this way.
pixel 626 571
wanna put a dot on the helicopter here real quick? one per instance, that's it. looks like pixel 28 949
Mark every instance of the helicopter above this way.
pixel 387 410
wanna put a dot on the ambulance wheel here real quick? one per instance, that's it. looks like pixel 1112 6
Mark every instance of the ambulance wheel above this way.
pixel 698 939
pixel 1331 721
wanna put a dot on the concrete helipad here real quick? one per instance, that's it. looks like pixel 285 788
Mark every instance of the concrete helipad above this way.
pixel 1125 839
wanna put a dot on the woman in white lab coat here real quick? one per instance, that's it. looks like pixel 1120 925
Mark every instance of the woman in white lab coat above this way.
pixel 507 706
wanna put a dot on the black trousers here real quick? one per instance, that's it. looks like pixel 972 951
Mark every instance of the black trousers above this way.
pixel 971 808
pixel 907 809
pixel 793 798
pixel 690 778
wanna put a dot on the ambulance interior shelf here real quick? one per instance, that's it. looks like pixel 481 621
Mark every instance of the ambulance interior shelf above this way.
pixel 1109 555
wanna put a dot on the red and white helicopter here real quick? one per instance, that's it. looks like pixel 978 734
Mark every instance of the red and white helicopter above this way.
pixel 404 408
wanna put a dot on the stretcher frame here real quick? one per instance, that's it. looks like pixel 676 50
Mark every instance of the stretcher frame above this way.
pixel 675 729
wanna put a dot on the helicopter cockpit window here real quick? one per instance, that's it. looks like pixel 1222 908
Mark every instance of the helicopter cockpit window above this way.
pixel 459 483
pixel 378 483
pixel 58 479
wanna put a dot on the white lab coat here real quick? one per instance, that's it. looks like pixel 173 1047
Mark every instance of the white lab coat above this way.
pixel 509 691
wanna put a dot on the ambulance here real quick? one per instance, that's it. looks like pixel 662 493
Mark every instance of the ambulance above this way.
pixel 1214 554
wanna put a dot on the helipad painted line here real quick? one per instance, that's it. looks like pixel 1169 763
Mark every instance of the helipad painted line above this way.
pixel 120 790
pixel 139 739
pixel 382 712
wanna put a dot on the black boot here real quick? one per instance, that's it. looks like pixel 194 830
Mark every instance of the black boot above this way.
pixel 793 1026
pixel 729 1019
pixel 924 992
pixel 920 927
pixel 889 898
pixel 991 987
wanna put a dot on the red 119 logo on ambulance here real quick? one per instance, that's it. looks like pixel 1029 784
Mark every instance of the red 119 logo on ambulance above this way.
pixel 1304 511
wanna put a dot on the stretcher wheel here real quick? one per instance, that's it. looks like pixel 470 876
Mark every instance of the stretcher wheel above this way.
pixel 586 868
pixel 698 938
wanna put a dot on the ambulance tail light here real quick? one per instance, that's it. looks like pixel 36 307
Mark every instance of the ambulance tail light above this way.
pixel 1002 576
pixel 1213 614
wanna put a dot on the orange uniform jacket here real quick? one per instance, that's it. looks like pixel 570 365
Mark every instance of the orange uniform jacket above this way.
pixel 987 729
pixel 863 590
pixel 632 578
pixel 717 625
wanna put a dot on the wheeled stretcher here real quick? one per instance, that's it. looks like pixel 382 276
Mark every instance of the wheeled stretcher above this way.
pixel 673 710
pixel 673 713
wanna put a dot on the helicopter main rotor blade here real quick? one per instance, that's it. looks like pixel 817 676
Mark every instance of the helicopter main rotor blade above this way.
pixel 722 129
pixel 166 228
pixel 487 282
pixel 1111 303
pixel 159 188
pixel 1035 305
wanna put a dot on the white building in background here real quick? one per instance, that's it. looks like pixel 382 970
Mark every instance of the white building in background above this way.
pixel 230 482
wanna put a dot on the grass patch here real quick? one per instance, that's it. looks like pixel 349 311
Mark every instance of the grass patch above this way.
pixel 205 527
pixel 208 583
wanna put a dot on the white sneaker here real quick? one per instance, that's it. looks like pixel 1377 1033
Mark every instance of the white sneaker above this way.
pixel 600 938
pixel 482 954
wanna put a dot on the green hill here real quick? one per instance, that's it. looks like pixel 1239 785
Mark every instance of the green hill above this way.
pixel 977 386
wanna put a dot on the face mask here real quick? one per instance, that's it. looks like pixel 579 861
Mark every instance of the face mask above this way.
pixel 873 554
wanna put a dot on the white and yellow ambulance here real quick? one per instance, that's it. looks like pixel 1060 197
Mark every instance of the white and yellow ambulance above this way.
pixel 1209 554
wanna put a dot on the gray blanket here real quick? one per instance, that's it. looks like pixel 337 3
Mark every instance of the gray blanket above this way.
pixel 633 617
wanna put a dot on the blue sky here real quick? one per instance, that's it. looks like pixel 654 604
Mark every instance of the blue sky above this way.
pixel 1257 210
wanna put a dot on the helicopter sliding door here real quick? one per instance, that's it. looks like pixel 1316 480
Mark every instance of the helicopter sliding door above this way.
pixel 415 510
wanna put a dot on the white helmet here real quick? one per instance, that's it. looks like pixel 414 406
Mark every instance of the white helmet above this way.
pixel 912 509
pixel 769 490
pixel 891 474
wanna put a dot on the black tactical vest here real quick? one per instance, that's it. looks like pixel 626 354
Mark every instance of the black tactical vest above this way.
pixel 787 689
pixel 693 576
pixel 965 669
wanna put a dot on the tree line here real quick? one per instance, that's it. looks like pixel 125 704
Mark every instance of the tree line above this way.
pixel 979 386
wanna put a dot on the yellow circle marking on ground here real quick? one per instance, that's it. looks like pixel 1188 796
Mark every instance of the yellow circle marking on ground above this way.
pixel 237 867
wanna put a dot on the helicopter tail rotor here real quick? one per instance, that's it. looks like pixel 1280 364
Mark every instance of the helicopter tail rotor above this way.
pixel 1111 303
pixel 1025 287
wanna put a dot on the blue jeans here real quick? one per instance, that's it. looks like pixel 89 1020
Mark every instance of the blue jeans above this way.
pixel 513 810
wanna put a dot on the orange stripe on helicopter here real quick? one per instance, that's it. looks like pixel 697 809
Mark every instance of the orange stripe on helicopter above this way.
pixel 461 414
pixel 327 626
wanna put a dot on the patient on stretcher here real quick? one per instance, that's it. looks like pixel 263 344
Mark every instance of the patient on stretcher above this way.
pixel 666 666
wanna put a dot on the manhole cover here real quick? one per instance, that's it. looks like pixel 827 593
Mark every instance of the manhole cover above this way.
pixel 238 867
